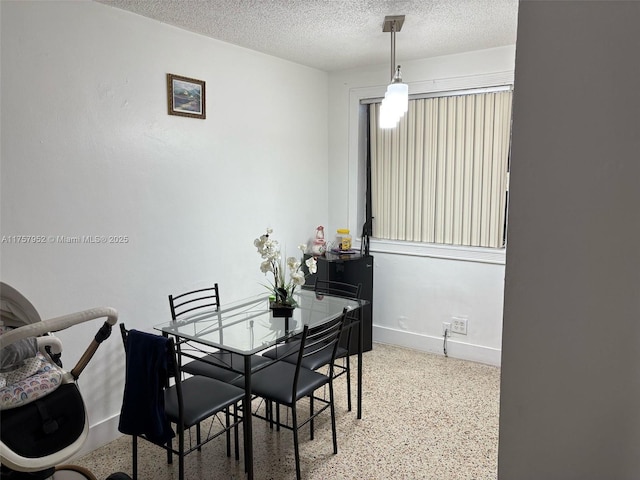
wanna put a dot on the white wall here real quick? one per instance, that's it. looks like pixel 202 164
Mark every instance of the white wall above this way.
pixel 88 149
pixel 570 371
pixel 417 289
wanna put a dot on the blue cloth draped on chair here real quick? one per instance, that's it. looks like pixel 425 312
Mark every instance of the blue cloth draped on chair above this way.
pixel 143 403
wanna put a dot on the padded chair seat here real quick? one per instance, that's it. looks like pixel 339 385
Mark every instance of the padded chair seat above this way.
pixel 223 361
pixel 202 397
pixel 275 382
pixel 288 353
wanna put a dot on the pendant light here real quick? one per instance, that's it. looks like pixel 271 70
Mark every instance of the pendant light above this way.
pixel 396 99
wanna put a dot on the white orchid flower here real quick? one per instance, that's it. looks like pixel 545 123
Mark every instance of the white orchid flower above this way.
pixel 266 266
pixel 297 278
pixel 312 264
pixel 293 263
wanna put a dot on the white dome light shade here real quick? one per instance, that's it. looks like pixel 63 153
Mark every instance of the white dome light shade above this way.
pixel 387 117
pixel 394 105
pixel 398 95
pixel 396 99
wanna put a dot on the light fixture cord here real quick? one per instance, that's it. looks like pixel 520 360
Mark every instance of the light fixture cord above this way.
pixel 393 49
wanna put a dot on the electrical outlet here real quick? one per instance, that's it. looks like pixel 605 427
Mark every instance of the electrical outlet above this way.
pixel 459 325
pixel 446 328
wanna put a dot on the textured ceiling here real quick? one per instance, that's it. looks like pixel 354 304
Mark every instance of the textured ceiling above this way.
pixel 339 34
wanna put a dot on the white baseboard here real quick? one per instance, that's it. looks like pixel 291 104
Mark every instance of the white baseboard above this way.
pixel 427 343
pixel 100 434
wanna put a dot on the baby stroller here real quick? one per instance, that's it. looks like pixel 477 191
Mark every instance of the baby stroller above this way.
pixel 43 421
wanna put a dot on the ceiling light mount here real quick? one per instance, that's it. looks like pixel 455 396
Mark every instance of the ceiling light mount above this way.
pixel 396 99
pixel 392 23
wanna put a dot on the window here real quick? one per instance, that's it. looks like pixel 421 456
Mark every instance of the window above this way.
pixel 441 175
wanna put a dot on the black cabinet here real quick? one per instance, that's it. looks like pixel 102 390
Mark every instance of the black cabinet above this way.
pixel 354 269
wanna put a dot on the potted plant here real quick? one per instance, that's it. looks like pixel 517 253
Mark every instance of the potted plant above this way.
pixel 282 289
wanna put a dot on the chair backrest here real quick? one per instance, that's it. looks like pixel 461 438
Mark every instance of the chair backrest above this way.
pixel 193 301
pixel 315 340
pixel 339 289
pixel 171 350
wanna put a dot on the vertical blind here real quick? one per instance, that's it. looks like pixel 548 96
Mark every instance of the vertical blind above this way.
pixel 440 176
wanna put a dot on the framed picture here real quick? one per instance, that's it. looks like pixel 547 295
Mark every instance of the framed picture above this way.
pixel 186 96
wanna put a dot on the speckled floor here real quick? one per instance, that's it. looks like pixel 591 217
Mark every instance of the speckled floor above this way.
pixel 424 417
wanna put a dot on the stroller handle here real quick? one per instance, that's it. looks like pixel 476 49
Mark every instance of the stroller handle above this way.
pixel 58 323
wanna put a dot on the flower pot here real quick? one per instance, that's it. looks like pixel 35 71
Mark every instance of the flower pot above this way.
pixel 281 310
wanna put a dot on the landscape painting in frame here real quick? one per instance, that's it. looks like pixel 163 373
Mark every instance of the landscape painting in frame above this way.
pixel 186 96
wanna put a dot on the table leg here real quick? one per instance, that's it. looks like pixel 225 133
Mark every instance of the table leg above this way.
pixel 360 347
pixel 246 420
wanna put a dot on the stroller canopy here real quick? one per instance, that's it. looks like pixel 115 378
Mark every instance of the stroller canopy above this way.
pixel 15 309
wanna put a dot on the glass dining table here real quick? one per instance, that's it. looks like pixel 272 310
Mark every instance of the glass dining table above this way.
pixel 248 326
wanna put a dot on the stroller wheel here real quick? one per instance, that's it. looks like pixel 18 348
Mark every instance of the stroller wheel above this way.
pixel 119 476
pixel 72 472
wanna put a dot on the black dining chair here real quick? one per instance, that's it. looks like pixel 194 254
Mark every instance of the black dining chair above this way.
pixel 285 383
pixel 156 397
pixel 322 358
pixel 217 364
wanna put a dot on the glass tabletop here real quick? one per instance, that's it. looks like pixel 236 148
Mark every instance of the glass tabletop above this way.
pixel 248 326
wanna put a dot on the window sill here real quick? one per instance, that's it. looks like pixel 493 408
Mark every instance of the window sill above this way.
pixel 495 256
